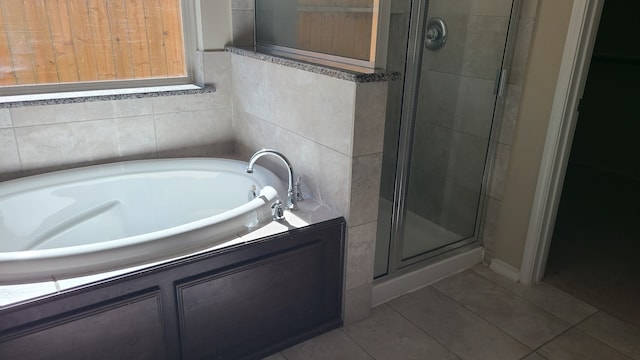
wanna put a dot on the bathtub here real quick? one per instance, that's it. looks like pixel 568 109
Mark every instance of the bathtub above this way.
pixel 98 218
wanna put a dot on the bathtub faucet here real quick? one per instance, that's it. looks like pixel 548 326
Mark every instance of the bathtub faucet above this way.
pixel 292 198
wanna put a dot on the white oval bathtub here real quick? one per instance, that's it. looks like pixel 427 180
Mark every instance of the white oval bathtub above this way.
pixel 104 217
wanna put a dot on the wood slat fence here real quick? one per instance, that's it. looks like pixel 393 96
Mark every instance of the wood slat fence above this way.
pixel 338 27
pixel 62 41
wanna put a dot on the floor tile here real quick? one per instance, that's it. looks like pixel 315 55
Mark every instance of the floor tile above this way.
pixel 533 356
pixel 276 356
pixel 557 302
pixel 617 334
pixel 575 344
pixel 512 314
pixel 388 335
pixel 334 345
pixel 457 328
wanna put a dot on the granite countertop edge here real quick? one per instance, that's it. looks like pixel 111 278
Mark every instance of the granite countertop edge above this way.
pixel 107 97
pixel 377 76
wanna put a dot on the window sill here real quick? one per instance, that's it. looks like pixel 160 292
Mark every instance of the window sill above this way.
pixel 101 95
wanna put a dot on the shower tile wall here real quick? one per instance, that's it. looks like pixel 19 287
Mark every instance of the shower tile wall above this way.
pixel 495 191
pixel 331 130
pixel 36 139
pixel 455 110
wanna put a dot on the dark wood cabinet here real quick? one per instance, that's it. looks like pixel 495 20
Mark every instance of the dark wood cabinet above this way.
pixel 245 301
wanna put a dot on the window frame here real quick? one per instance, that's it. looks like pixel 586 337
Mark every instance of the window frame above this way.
pixel 187 8
pixel 377 57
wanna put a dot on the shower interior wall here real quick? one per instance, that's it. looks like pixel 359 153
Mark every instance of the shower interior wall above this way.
pixel 455 111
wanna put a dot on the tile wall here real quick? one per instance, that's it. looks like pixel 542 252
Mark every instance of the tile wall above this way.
pixel 35 139
pixel 495 191
pixel 455 110
pixel 331 130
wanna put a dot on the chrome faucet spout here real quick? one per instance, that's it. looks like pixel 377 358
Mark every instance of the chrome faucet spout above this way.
pixel 291 198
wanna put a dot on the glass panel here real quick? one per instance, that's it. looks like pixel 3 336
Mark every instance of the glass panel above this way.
pixel 335 27
pixel 396 59
pixel 49 42
pixel 455 108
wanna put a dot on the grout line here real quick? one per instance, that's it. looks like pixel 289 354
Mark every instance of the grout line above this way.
pixel 357 343
pixel 420 328
pixel 597 338
pixel 483 319
pixel 531 302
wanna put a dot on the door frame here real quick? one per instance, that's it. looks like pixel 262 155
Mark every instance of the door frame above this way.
pixel 574 68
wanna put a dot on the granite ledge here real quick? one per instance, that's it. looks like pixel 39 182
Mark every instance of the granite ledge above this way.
pixel 129 94
pixel 317 68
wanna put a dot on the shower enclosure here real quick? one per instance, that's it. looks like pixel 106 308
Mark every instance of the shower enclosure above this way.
pixel 440 123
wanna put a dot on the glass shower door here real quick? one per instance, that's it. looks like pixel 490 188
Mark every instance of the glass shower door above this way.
pixel 447 141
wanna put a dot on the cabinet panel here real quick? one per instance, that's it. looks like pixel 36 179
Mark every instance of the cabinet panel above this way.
pixel 244 301
pixel 128 329
pixel 265 303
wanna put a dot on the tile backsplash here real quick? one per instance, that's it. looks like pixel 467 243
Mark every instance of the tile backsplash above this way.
pixel 40 138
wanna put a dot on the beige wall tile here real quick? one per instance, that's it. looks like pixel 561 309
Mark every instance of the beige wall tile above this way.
pixel 442 7
pixel 64 113
pixel 360 254
pixel 365 185
pixel 490 223
pixel 10 159
pixel 186 103
pixel 357 303
pixel 501 162
pixel 510 113
pixel 448 59
pixel 521 51
pixel 318 107
pixel 217 71
pixel 253 87
pixel 482 58
pixel 5 118
pixel 475 105
pixel 325 173
pixel 491 7
pixel 195 133
pixel 79 142
pixel 368 132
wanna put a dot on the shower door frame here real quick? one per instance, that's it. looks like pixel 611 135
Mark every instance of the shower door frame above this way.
pixel 415 49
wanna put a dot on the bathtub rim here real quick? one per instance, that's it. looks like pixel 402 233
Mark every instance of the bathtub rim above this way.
pixel 24 263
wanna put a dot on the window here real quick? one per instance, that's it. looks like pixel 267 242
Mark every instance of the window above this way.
pixel 90 44
pixel 340 30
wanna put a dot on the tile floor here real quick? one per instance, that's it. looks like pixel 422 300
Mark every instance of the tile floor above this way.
pixel 477 314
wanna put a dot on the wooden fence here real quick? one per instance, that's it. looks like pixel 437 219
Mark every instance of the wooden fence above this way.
pixel 338 27
pixel 61 41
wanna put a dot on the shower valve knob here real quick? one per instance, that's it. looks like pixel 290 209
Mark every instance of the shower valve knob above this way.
pixel 436 34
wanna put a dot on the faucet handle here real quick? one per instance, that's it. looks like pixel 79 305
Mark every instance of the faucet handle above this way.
pixel 297 190
pixel 277 211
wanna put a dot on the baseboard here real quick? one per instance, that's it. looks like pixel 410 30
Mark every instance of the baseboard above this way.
pixel 505 270
pixel 405 283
